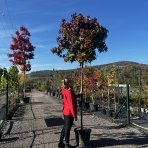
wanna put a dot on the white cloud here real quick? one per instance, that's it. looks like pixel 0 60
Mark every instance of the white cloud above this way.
pixel 56 66
pixel 48 65
pixel 3 57
pixel 41 65
pixel 41 46
pixel 41 29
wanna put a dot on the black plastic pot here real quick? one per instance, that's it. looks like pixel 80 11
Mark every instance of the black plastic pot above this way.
pixel 95 107
pixel 26 99
pixel 104 111
pixel 87 107
pixel 82 136
pixel 53 94
pixel 91 107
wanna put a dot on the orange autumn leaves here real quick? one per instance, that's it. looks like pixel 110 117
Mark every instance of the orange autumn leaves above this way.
pixel 92 82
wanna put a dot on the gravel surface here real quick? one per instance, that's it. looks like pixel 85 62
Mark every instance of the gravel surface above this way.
pixel 39 123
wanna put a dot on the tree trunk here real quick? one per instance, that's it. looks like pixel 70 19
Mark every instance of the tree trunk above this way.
pixel 108 102
pixel 81 90
pixel 24 92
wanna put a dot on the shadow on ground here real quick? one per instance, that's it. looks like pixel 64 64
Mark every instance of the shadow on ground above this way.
pixel 130 140
pixel 56 121
pixel 19 112
pixel 9 139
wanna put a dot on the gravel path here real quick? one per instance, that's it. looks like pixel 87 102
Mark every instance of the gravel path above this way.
pixel 38 125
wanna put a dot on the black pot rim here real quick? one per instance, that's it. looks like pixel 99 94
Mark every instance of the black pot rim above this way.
pixel 84 129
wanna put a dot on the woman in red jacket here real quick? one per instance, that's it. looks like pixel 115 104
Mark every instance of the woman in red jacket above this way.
pixel 69 112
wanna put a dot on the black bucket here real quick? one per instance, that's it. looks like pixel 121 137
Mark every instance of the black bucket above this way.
pixel 26 99
pixel 82 136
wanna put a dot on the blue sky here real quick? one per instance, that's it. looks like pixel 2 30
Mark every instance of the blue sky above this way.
pixel 126 20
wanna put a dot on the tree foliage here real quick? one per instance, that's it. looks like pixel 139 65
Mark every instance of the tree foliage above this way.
pixel 111 76
pixel 22 49
pixel 10 77
pixel 13 77
pixel 3 79
pixel 92 82
pixel 80 38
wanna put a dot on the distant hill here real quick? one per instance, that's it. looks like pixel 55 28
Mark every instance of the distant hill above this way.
pixel 46 73
pixel 125 70
pixel 122 64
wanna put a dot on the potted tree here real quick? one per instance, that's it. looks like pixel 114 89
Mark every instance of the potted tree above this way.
pixel 22 53
pixel 95 81
pixel 79 38
pixel 112 83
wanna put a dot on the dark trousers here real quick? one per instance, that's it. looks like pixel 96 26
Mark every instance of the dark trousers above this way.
pixel 68 122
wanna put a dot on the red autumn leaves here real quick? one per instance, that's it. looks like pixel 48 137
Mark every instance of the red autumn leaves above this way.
pixel 22 49
pixel 79 38
pixel 92 81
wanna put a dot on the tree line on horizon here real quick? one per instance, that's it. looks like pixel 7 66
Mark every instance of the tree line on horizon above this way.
pixel 131 72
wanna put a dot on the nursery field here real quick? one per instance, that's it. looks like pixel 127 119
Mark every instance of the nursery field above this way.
pixel 38 124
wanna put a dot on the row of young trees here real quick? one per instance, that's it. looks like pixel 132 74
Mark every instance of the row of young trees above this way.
pixel 22 52
pixel 10 77
pixel 12 81
pixel 96 85
pixel 10 87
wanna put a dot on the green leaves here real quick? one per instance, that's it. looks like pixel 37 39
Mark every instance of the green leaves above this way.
pixel 13 74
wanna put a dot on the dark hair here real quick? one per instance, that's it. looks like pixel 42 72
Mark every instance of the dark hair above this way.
pixel 67 82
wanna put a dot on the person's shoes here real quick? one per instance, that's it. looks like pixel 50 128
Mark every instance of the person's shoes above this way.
pixel 61 144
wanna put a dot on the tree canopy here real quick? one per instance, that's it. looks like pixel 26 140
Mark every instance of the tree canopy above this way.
pixel 22 49
pixel 79 38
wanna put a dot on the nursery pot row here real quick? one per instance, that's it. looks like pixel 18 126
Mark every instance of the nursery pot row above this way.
pixel 108 112
pixel 93 107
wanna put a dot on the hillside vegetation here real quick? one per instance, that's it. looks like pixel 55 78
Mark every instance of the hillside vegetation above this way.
pixel 125 71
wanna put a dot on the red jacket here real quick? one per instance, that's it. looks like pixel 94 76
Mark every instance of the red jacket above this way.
pixel 69 102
